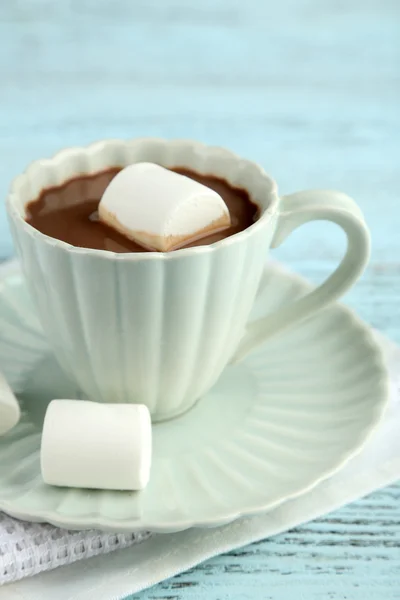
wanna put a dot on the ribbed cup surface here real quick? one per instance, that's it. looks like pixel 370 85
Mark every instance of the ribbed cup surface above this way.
pixel 151 328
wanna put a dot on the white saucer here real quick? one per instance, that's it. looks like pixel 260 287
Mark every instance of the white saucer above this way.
pixel 275 425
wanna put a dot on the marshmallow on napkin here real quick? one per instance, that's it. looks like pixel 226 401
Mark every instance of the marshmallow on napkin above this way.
pixel 161 210
pixel 93 445
pixel 9 407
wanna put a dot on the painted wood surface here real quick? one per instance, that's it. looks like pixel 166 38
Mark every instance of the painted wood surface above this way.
pixel 311 90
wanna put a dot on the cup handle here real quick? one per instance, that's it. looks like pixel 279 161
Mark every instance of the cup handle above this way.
pixel 297 209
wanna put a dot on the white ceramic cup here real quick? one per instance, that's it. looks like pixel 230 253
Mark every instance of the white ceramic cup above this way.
pixel 155 328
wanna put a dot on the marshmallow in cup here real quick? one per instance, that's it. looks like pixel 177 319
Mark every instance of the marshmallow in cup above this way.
pixel 161 210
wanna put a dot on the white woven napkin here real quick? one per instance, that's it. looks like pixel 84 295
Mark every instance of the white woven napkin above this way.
pixel 141 560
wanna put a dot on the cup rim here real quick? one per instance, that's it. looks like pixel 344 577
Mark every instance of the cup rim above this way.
pixel 15 213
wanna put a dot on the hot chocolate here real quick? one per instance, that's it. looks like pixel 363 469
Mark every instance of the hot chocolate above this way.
pixel 69 212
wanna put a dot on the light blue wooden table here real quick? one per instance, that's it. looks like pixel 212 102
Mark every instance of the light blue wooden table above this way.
pixel 310 89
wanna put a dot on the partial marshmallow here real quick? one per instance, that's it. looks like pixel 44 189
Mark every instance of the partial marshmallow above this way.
pixel 161 210
pixel 93 445
pixel 9 407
